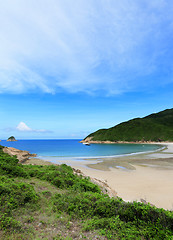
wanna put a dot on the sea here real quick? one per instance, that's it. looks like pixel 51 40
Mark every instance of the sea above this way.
pixel 72 149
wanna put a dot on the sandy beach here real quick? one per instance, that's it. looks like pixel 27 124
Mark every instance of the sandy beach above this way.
pixel 146 176
pixel 151 184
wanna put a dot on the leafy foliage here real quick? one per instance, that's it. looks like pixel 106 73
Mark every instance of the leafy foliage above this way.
pixel 114 217
pixel 62 177
pixel 13 195
pixel 10 166
pixel 155 127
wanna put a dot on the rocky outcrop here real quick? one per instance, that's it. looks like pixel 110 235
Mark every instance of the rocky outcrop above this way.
pixel 22 156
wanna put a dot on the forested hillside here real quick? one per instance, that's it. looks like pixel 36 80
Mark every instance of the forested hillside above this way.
pixel 155 127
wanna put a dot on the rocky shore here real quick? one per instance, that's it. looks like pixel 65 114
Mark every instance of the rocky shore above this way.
pixel 21 155
pixel 90 141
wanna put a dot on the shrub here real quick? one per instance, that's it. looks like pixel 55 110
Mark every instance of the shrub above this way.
pixel 9 166
pixel 12 196
pixel 62 176
pixel 115 218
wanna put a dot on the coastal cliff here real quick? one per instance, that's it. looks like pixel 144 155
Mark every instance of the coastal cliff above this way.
pixel 157 127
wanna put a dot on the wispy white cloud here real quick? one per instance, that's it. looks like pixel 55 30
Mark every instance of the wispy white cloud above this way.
pixel 88 46
pixel 22 127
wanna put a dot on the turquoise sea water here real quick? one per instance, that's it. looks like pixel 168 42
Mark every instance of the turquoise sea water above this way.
pixel 73 149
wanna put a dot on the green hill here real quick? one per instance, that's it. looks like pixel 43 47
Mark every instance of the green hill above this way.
pixel 154 127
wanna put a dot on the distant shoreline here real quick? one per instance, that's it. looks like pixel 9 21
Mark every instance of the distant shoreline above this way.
pixel 88 140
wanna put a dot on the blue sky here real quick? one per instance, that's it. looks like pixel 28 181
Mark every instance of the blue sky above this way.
pixel 68 68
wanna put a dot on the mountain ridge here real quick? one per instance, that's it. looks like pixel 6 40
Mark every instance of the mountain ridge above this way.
pixel 156 127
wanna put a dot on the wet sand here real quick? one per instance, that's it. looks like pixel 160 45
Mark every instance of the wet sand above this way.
pixel 146 176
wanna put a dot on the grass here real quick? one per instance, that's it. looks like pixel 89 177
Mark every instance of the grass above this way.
pixel 51 202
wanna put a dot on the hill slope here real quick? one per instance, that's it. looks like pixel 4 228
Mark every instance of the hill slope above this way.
pixel 154 127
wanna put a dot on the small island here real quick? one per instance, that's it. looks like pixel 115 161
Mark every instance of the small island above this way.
pixel 11 139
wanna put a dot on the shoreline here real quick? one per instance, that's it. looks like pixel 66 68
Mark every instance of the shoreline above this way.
pixel 146 176
pixel 90 141
pixel 143 177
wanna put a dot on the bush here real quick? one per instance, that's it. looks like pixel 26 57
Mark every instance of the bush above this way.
pixel 12 196
pixel 9 166
pixel 62 177
pixel 15 194
pixel 114 217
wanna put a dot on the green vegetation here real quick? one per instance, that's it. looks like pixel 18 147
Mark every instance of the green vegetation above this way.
pixel 155 127
pixel 51 202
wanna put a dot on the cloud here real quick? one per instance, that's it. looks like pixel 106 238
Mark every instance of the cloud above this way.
pixel 22 127
pixel 86 46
